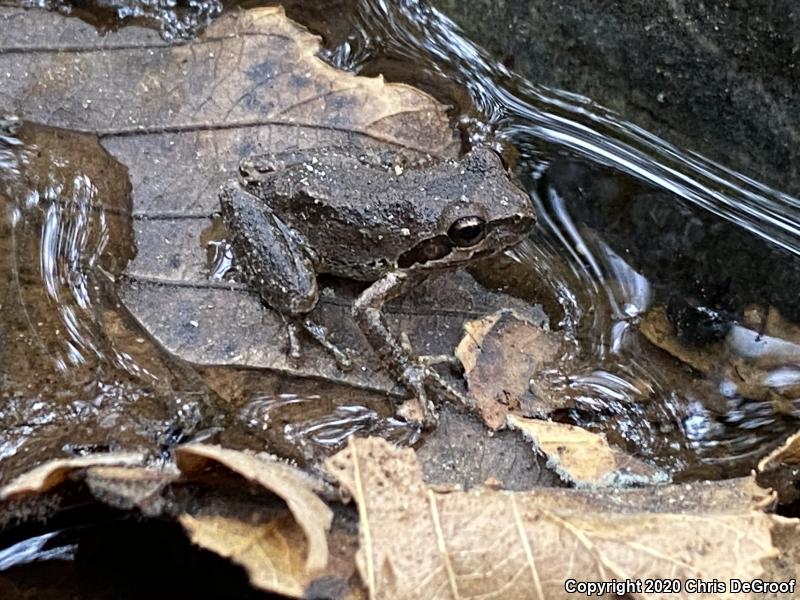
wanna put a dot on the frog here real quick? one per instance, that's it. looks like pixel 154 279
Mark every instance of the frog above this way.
pixel 372 215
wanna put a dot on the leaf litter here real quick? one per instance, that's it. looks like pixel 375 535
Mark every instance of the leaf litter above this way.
pixel 417 542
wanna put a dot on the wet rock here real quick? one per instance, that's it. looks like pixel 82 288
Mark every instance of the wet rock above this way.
pixel 717 78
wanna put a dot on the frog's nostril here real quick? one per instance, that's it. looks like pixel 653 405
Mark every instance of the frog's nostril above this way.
pixel 524 223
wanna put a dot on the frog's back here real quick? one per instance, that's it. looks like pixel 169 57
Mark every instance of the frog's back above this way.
pixel 362 212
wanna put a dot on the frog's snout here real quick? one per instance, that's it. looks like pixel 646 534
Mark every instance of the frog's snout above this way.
pixel 512 230
pixel 524 223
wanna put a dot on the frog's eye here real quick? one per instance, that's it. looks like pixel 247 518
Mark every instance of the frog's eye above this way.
pixel 467 231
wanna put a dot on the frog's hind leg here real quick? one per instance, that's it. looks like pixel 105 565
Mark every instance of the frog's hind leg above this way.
pixel 395 351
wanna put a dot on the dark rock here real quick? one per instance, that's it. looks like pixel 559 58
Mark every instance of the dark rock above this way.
pixel 722 79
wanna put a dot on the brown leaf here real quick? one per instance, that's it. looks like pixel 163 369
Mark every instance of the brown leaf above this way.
pixel 53 473
pixel 129 488
pixel 786 537
pixel 659 331
pixel 584 458
pixel 788 454
pixel 780 470
pixel 281 538
pixel 419 543
pixel 181 118
pixel 271 552
pixel 459 453
pixel 291 485
pixel 501 353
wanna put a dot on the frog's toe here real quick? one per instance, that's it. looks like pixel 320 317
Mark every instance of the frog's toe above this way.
pixel 451 361
pixel 417 377
pixel 445 388
pixel 321 335
pixel 414 378
pixel 294 340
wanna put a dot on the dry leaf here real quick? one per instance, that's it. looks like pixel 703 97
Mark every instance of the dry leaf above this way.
pixel 288 483
pixel 271 552
pixel 786 537
pixel 585 458
pixel 283 544
pixel 419 543
pixel 130 488
pixel 780 470
pixel 51 474
pixel 501 353
pixel 788 454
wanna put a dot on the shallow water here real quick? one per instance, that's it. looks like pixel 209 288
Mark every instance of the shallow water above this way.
pixel 626 221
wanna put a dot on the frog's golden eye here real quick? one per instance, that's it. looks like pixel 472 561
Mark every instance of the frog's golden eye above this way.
pixel 467 231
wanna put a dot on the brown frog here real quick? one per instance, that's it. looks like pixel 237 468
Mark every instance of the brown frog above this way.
pixel 363 214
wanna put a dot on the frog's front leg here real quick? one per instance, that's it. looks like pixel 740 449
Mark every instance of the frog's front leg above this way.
pixel 368 313
pixel 275 260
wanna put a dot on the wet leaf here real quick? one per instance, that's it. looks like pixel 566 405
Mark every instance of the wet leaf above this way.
pixel 420 543
pixel 658 330
pixel 460 453
pixel 289 484
pixel 752 358
pixel 181 118
pixel 502 354
pixel 584 458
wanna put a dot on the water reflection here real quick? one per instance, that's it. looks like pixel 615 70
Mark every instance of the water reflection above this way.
pixel 75 375
pixel 61 206
pixel 317 430
pixel 541 121
pixel 177 21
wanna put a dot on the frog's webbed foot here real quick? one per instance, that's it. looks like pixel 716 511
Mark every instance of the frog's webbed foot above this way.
pixel 320 335
pixel 416 377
